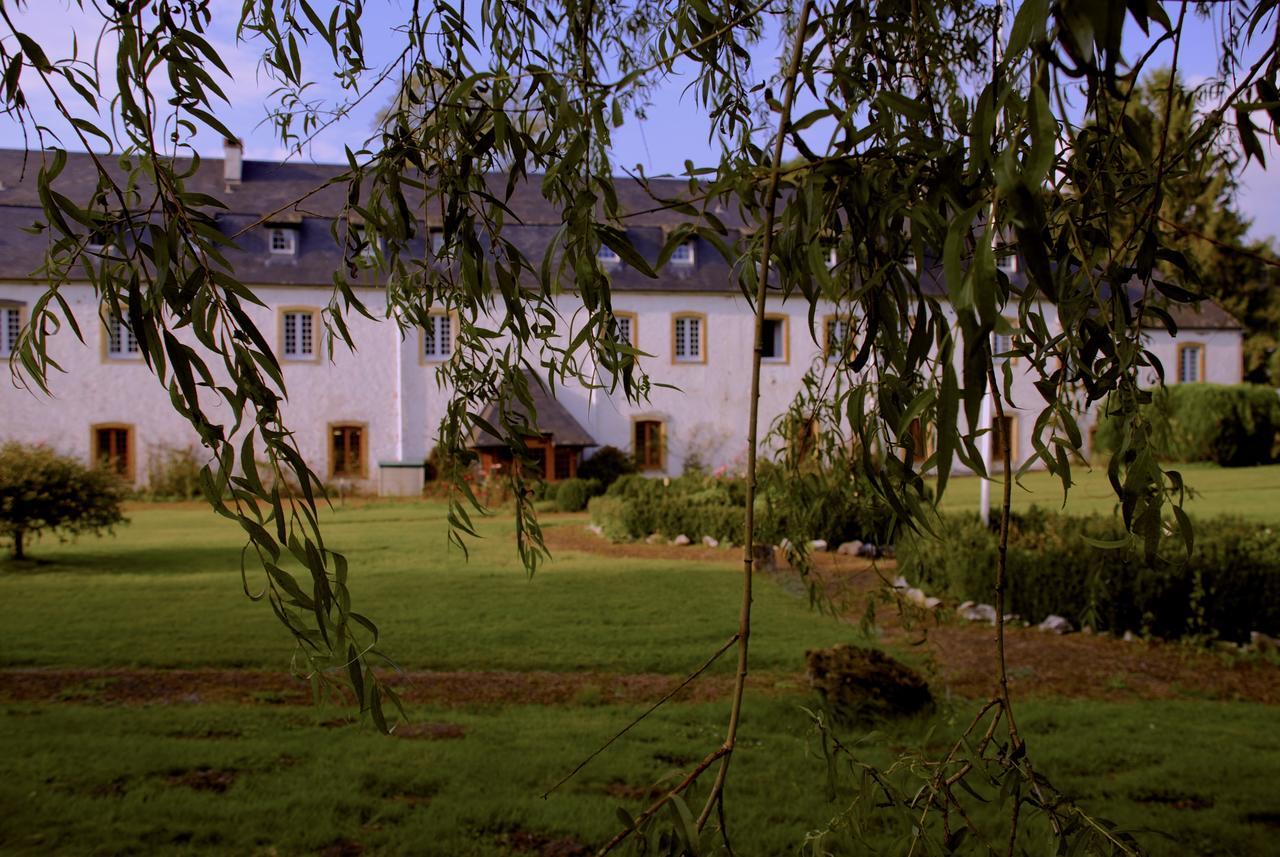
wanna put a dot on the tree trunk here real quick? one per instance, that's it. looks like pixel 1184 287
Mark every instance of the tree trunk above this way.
pixel 17 545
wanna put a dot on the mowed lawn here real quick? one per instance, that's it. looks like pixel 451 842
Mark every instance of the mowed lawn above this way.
pixel 1248 492
pixel 86 777
pixel 165 591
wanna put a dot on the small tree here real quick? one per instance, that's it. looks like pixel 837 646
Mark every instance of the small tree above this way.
pixel 42 490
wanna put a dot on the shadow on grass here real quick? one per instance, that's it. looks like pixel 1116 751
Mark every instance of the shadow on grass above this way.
pixel 158 561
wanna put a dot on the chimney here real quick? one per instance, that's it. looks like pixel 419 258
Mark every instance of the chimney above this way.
pixel 232 162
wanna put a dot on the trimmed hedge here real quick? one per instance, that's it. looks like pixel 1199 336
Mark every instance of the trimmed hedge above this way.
pixel 1233 425
pixel 696 506
pixel 571 495
pixel 835 508
pixel 1228 587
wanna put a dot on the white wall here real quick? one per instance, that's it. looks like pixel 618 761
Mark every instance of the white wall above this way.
pixel 389 388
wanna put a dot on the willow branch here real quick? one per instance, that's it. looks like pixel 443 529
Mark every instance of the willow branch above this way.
pixel 753 423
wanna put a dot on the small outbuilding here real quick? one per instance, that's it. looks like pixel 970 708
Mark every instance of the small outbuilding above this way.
pixel 559 447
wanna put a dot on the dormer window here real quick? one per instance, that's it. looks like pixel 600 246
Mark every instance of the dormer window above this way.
pixel 606 256
pixel 683 255
pixel 368 247
pixel 436 235
pixel 1007 262
pixel 283 241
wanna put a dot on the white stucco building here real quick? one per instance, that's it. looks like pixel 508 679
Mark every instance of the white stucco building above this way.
pixel 366 417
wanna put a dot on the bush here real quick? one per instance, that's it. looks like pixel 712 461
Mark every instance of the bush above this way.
pixel 1228 587
pixel 572 495
pixel 606 465
pixel 41 490
pixel 821 503
pixel 1233 425
pixel 810 505
pixel 173 473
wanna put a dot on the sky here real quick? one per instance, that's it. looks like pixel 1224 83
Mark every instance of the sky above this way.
pixel 674 130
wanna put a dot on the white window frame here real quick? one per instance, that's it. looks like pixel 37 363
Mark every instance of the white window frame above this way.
pixel 437 338
pixel 1196 350
pixel 299 354
pixel 289 243
pixel 783 335
pixel 606 256
pixel 629 319
pixel 684 255
pixel 1001 346
pixel 1007 263
pixel 694 339
pixel 120 342
pixel 10 327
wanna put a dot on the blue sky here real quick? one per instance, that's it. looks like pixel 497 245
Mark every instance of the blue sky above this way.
pixel 675 128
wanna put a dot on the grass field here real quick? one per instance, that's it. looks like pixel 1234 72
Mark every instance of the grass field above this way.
pixel 1249 492
pixel 165 591
pixel 194 779
pixel 85 776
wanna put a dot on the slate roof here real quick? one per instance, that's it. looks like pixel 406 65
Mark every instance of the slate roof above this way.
pixel 298 192
pixel 266 187
pixel 552 419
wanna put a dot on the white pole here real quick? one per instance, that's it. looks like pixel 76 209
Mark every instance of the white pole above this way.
pixel 984 416
pixel 984 447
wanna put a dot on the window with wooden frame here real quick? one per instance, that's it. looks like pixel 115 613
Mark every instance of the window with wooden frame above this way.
pixel 300 334
pixel 10 326
pixel 837 336
pixel 689 338
pixel 119 343
pixel 283 241
pixel 1003 436
pixel 775 339
pixel 437 338
pixel 625 327
pixel 347 451
pixel 111 448
pixel 649 444
pixel 919 440
pixel 1190 363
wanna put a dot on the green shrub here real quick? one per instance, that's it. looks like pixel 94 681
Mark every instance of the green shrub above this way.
pixel 173 473
pixel 571 495
pixel 41 490
pixel 607 464
pixel 1228 587
pixel 1233 425
pixel 810 505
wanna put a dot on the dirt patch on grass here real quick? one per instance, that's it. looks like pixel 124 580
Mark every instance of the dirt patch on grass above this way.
pixel 252 687
pixel 204 779
pixel 431 731
pixel 959 657
pixel 571 537
pixel 526 842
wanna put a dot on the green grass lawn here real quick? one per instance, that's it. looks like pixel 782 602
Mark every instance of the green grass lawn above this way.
pixel 191 779
pixel 79 778
pixel 1249 492
pixel 165 591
